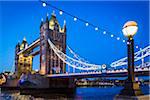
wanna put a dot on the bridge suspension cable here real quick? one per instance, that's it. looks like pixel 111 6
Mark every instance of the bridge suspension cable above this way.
pixel 141 54
pixel 73 62
pixel 76 55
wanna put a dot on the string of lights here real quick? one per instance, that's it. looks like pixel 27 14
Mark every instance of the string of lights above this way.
pixel 87 23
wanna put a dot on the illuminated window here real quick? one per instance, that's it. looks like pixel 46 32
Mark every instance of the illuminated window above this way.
pixel 29 58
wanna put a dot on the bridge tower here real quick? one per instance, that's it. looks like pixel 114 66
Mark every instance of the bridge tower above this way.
pixel 23 62
pixel 50 29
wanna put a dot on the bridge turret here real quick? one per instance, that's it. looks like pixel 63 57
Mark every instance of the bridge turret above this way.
pixel 17 49
pixel 23 64
pixel 41 22
pixel 24 44
pixel 44 35
pixel 64 27
pixel 53 23
pixel 51 29
pixel 47 20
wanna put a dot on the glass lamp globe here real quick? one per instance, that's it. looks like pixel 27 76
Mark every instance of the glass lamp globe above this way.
pixel 129 29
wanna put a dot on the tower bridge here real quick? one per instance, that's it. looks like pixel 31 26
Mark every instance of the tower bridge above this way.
pixel 53 59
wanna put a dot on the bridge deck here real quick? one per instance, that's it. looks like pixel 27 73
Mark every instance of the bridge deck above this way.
pixel 97 74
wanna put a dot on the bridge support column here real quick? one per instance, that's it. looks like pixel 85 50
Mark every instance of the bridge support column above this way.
pixel 142 60
pixel 74 70
pixel 49 62
pixel 68 69
pixel 44 48
pixel 23 62
pixel 57 82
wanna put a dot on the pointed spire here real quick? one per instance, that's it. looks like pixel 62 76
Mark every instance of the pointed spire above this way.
pixel 47 17
pixel 53 13
pixel 47 14
pixel 64 27
pixel 24 39
pixel 42 19
pixel 18 44
pixel 41 22
pixel 64 22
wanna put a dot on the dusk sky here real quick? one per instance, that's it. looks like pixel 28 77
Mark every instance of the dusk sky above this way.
pixel 22 19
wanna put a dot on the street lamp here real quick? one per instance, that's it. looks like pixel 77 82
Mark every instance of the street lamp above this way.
pixel 131 88
pixel 129 30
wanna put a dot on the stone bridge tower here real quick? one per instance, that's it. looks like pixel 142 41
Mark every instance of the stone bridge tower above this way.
pixel 23 62
pixel 49 61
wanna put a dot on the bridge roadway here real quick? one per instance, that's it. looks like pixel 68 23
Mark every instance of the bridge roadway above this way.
pixel 99 74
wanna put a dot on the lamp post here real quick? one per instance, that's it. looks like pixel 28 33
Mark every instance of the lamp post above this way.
pixel 129 30
pixel 131 88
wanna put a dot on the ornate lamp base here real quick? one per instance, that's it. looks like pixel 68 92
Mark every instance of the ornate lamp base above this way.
pixel 131 89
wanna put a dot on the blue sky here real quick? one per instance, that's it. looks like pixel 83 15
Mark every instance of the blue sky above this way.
pixel 22 19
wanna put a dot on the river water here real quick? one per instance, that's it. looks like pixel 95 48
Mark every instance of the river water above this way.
pixel 81 93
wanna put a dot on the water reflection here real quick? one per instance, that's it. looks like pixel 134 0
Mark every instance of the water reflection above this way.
pixel 81 93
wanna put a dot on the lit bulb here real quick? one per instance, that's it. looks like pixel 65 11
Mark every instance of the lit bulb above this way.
pixel 44 4
pixel 137 47
pixel 60 12
pixel 118 38
pixel 112 35
pixel 75 19
pixel 87 24
pixel 96 28
pixel 104 32
pixel 123 41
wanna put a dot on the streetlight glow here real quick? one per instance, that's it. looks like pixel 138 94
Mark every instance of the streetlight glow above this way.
pixel 129 29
